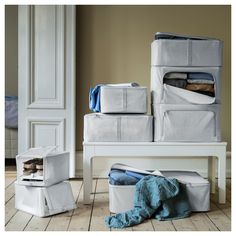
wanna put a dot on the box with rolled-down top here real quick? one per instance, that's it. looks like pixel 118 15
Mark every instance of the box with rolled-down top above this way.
pixel 118 128
pixel 121 99
pixel 42 166
pixel 121 197
pixel 181 50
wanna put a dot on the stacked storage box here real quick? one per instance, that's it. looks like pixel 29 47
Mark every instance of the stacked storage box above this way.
pixel 185 88
pixel 122 117
pixel 40 188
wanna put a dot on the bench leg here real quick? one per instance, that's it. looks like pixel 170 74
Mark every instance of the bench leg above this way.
pixel 212 172
pixel 222 176
pixel 87 175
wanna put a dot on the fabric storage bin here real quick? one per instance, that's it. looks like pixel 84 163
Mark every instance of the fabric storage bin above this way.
pixel 163 93
pixel 118 128
pixel 186 123
pixel 116 99
pixel 53 167
pixel 177 50
pixel 121 197
pixel 44 201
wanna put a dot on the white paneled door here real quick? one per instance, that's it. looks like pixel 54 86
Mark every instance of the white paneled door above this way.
pixel 46 44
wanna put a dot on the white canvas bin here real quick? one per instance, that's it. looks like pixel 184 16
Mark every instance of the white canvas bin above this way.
pixel 186 123
pixel 55 167
pixel 163 93
pixel 44 201
pixel 116 99
pixel 121 197
pixel 118 128
pixel 186 52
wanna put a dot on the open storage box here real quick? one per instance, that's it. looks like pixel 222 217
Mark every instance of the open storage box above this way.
pixel 44 201
pixel 42 167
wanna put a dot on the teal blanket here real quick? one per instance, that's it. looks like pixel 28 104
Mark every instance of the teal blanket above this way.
pixel 157 197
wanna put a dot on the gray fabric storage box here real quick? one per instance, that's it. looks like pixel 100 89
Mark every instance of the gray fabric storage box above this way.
pixel 44 201
pixel 116 99
pixel 118 128
pixel 162 93
pixel 55 167
pixel 121 197
pixel 196 51
pixel 186 123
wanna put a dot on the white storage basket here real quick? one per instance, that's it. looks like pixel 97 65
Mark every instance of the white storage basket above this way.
pixel 44 201
pixel 163 93
pixel 118 128
pixel 196 51
pixel 186 123
pixel 116 99
pixel 54 167
pixel 121 197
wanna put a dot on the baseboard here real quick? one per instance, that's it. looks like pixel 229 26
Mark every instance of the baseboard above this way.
pixel 101 165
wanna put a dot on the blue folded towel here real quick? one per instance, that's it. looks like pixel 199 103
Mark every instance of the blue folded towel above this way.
pixel 94 98
pixel 155 196
pixel 119 177
pixel 134 174
pixel 200 76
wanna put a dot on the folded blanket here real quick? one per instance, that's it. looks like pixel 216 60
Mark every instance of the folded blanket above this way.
pixel 94 94
pixel 200 76
pixel 119 177
pixel 199 81
pixel 135 174
pixel 201 87
pixel 180 83
pixel 157 197
pixel 175 75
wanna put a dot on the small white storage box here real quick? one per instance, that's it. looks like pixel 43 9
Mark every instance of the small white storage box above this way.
pixel 162 93
pixel 55 167
pixel 121 197
pixel 44 201
pixel 118 128
pixel 116 99
pixel 186 123
pixel 186 52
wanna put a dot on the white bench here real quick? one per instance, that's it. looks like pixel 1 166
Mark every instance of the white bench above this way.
pixel 110 149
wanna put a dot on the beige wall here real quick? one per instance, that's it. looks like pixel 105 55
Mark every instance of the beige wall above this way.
pixel 11 50
pixel 113 45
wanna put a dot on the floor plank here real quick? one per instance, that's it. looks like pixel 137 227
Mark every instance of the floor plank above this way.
pixel 163 225
pixel 184 225
pixel 10 210
pixel 9 181
pixel 145 226
pixel 18 222
pixel 37 224
pixel 80 219
pixel 100 207
pixel 219 219
pixel 9 192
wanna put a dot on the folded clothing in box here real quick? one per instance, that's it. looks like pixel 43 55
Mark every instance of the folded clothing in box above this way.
pixel 118 128
pixel 181 50
pixel 44 201
pixel 122 187
pixel 123 99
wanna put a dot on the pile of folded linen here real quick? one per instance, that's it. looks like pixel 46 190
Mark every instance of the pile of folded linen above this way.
pixel 185 88
pixel 120 114
pixel 41 188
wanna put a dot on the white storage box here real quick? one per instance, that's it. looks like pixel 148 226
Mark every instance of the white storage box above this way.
pixel 116 99
pixel 187 123
pixel 163 93
pixel 186 51
pixel 42 167
pixel 118 128
pixel 44 201
pixel 121 197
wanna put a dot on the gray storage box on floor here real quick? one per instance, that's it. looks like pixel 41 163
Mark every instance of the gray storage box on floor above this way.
pixel 55 167
pixel 196 51
pixel 115 99
pixel 162 93
pixel 186 123
pixel 44 201
pixel 118 128
pixel 121 197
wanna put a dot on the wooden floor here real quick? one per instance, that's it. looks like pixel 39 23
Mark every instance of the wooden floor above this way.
pixel 91 217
